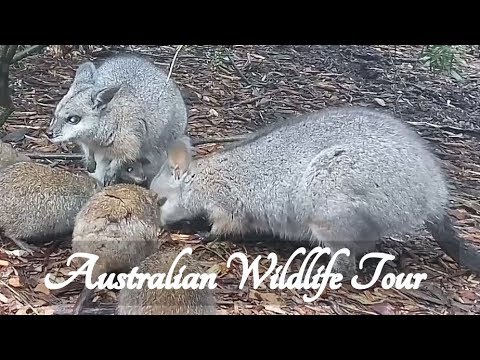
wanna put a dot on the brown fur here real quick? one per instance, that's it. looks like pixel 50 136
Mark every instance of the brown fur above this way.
pixel 120 225
pixel 147 301
pixel 39 202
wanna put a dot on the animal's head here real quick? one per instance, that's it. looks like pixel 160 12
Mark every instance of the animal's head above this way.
pixel 77 115
pixel 133 173
pixel 174 180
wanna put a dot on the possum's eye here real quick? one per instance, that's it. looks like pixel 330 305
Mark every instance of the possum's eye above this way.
pixel 74 119
pixel 130 169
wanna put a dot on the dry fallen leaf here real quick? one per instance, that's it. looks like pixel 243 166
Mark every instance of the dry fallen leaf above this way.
pixel 14 281
pixel 270 298
pixel 380 102
pixel 383 309
pixel 24 310
pixel 215 269
pixel 4 263
pixel 274 308
pixel 459 214
pixel 42 288
pixel 4 299
pixel 468 295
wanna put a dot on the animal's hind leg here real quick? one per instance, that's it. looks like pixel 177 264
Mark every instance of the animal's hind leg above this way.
pixel 356 234
pixel 345 265
pixel 24 246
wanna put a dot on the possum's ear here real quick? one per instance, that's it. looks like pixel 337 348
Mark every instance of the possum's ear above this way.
pixel 180 156
pixel 101 98
pixel 86 73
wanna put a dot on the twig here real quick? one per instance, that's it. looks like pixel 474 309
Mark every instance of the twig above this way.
pixel 12 49
pixel 28 51
pixel 211 140
pixel 239 72
pixel 42 156
pixel 18 296
pixel 172 64
pixel 445 127
pixel 249 101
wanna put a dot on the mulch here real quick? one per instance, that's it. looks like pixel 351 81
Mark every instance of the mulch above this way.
pixel 235 90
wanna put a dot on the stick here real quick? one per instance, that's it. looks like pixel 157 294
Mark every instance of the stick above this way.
pixel 445 127
pixel 42 156
pixel 211 140
pixel 172 64
pixel 18 295
pixel 239 72
pixel 28 51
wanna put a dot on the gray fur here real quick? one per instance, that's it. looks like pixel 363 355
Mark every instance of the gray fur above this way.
pixel 342 177
pixel 147 301
pixel 126 113
pixel 9 156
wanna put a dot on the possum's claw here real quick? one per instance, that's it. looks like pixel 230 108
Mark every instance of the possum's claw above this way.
pixel 110 178
pixel 30 249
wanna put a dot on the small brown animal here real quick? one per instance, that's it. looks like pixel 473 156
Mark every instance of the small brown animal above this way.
pixel 38 202
pixel 120 225
pixel 8 155
pixel 145 301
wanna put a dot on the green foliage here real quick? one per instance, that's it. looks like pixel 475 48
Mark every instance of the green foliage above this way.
pixel 446 59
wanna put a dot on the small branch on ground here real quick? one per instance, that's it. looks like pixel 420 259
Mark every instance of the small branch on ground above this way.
pixel 27 52
pixel 42 156
pixel 237 69
pixel 211 140
pixel 172 64
pixel 446 127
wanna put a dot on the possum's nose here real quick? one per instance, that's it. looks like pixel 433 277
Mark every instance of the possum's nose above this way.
pixel 49 133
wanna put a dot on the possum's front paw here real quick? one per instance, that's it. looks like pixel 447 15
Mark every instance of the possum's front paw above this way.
pixel 110 177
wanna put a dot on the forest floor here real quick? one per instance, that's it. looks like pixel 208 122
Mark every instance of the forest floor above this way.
pixel 265 84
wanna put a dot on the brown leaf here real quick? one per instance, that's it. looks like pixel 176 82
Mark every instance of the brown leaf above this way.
pixel 274 308
pixel 459 214
pixel 15 282
pixel 215 269
pixel 41 288
pixel 468 294
pixel 383 309
pixel 380 102
pixel 270 298
pixel 4 299
pixel 4 263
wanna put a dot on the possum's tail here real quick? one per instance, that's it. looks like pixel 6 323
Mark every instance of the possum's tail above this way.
pixel 454 246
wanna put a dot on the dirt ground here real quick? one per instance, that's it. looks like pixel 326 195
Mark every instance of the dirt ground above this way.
pixel 235 90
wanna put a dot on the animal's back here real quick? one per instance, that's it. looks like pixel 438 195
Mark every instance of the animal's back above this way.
pixel 161 102
pixel 38 200
pixel 320 162
pixel 155 301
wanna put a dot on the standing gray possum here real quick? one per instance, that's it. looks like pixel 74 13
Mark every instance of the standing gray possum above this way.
pixel 39 203
pixel 341 177
pixel 9 156
pixel 157 301
pixel 120 111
